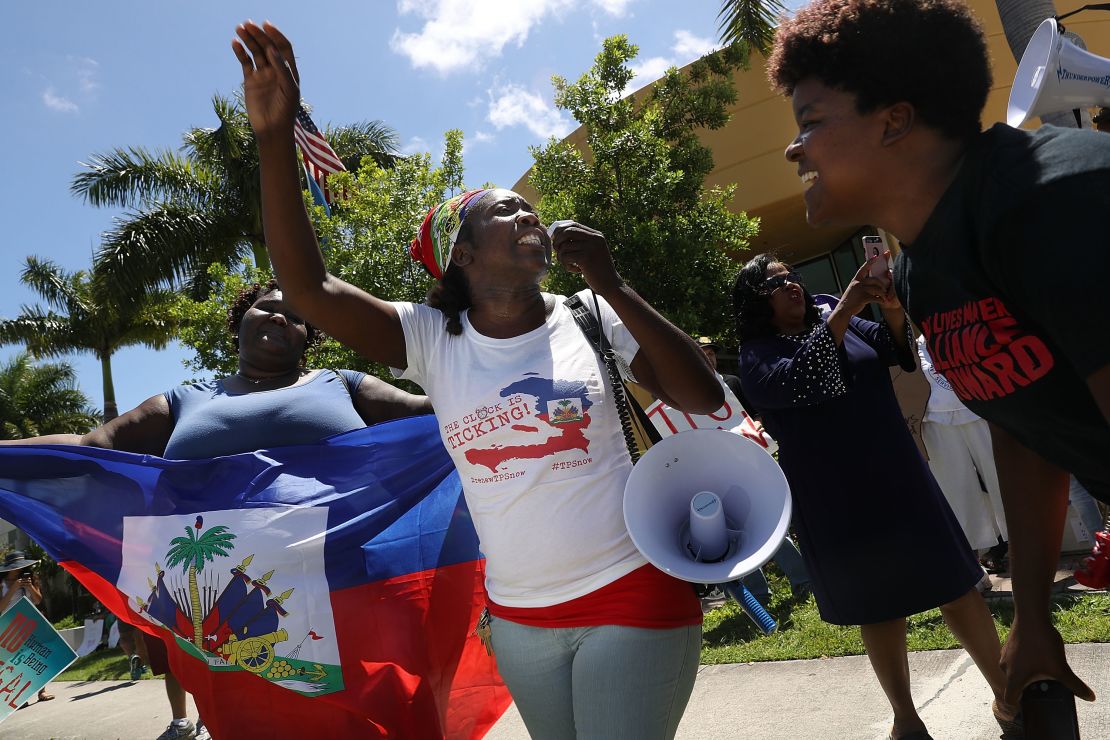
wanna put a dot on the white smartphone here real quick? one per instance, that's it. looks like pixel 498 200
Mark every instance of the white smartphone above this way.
pixel 875 246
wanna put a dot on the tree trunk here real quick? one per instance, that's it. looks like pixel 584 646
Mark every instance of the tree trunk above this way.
pixel 110 409
pixel 1020 19
pixel 194 608
pixel 261 257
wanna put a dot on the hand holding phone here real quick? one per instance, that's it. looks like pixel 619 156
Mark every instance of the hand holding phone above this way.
pixel 875 250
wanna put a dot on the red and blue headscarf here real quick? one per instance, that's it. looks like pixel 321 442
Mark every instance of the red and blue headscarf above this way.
pixel 433 243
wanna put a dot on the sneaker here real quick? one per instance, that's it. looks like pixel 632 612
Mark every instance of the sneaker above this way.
pixel 187 731
pixel 202 731
pixel 137 667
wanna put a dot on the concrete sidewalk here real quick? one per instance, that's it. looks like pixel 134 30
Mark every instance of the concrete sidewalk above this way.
pixel 832 699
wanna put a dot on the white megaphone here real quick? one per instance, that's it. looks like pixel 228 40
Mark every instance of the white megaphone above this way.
pixel 1056 75
pixel 707 506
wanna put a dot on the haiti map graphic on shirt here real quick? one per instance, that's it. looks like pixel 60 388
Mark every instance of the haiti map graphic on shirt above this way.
pixel 542 417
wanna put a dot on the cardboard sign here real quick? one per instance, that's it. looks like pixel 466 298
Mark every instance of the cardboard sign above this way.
pixel 31 654
pixel 91 637
pixel 731 417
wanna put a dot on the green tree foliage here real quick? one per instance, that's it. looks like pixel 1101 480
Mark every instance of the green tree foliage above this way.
pixel 750 21
pixel 85 315
pixel 365 242
pixel 41 399
pixel 203 322
pixel 199 207
pixel 640 180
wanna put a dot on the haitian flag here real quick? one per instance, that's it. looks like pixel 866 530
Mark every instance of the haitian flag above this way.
pixel 326 590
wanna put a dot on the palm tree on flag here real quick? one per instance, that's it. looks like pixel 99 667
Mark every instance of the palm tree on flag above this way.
pixel 191 553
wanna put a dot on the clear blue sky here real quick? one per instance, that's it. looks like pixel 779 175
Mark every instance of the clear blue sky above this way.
pixel 78 78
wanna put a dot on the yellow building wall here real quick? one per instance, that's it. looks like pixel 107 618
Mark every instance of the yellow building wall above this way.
pixel 748 151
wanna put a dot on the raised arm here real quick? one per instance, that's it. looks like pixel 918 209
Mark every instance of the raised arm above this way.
pixel 864 289
pixel 668 364
pixel 363 322
pixel 144 429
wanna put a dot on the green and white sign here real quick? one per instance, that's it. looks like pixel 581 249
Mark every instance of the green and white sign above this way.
pixel 31 654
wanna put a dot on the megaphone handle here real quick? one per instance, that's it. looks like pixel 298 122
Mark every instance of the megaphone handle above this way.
pixel 751 606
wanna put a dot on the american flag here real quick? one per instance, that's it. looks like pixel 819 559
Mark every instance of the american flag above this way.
pixel 320 160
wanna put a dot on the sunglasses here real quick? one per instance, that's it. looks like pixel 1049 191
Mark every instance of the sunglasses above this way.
pixel 771 284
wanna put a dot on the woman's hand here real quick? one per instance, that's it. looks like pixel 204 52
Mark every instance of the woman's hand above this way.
pixel 1035 653
pixel 584 250
pixel 30 585
pixel 271 83
pixel 864 289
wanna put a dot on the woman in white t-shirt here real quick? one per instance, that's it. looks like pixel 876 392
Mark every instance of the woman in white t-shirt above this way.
pixel 591 640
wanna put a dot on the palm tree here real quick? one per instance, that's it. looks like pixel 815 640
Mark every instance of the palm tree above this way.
pixel 41 399
pixel 202 206
pixel 751 21
pixel 85 319
pixel 191 552
pixel 1020 19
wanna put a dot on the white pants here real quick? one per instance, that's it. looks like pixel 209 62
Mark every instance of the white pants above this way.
pixel 956 452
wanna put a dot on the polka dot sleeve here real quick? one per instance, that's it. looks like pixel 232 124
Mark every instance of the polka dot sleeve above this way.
pixel 783 372
pixel 879 337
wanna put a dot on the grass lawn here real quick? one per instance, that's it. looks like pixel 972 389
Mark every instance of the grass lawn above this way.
pixel 730 637
pixel 100 665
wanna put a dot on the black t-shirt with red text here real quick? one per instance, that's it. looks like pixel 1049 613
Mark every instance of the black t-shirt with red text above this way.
pixel 1008 282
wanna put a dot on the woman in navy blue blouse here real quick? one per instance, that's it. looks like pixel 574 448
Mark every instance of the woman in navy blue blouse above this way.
pixel 877 535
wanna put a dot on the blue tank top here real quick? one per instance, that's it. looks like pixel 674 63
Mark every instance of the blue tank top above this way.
pixel 211 422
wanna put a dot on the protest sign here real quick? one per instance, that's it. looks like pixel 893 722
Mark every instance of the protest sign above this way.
pixel 31 654
pixel 731 417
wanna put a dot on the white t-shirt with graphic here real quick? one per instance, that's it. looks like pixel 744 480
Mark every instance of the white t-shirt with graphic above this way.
pixel 944 407
pixel 532 427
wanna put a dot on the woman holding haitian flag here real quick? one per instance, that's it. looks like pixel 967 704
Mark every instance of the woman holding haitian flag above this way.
pixel 590 639
pixel 273 400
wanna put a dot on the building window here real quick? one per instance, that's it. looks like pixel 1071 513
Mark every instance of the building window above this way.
pixel 831 272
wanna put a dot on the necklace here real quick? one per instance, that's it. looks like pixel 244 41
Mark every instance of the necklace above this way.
pixel 258 381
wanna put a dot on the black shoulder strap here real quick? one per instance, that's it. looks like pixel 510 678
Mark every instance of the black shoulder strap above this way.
pixel 639 432
pixel 585 319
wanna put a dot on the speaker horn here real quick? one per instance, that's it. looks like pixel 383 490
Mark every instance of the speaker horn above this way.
pixel 1056 75
pixel 707 506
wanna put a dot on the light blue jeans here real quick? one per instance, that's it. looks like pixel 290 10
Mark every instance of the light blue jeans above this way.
pixel 598 683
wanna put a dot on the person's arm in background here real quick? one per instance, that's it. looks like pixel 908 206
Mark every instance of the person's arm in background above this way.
pixel 894 316
pixel 1035 496
pixel 31 587
pixel 144 429
pixel 861 290
pixel 377 401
